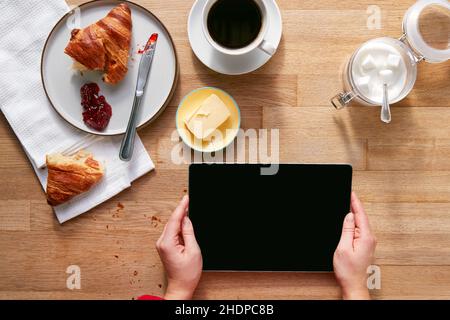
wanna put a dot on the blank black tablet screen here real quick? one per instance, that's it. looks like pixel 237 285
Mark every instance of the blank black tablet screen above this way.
pixel 290 221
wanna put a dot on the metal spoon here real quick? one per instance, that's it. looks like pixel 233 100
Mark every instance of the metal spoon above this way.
pixel 385 108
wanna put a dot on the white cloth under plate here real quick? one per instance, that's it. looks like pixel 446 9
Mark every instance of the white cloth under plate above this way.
pixel 24 27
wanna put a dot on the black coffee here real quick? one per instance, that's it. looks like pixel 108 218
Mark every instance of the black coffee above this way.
pixel 234 23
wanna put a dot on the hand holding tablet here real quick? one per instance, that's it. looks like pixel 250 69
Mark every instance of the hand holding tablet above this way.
pixel 182 258
pixel 354 252
pixel 180 254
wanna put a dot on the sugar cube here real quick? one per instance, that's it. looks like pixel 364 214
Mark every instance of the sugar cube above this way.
pixel 386 76
pixel 393 60
pixel 368 63
pixel 363 84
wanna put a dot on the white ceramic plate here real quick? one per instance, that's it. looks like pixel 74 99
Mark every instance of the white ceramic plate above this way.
pixel 62 84
pixel 232 65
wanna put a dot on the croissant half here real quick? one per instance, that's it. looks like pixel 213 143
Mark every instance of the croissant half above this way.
pixel 104 45
pixel 70 176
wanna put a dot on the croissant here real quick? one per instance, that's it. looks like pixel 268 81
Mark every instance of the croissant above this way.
pixel 104 45
pixel 70 176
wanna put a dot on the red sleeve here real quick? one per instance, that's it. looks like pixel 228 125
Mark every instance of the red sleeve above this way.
pixel 147 297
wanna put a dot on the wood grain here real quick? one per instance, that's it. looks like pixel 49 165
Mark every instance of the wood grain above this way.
pixel 402 172
pixel 409 154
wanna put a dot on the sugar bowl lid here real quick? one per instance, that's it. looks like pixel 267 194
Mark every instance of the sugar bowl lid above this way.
pixel 426 26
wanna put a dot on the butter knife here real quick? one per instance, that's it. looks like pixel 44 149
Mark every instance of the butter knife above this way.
pixel 127 146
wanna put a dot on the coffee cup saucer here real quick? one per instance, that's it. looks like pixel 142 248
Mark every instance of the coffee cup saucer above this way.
pixel 227 64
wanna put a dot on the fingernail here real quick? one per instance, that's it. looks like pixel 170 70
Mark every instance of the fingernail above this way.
pixel 186 221
pixel 350 217
pixel 185 197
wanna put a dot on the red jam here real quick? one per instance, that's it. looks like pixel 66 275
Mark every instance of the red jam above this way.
pixel 150 41
pixel 97 111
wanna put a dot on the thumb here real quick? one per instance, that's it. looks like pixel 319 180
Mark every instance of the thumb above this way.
pixel 348 231
pixel 187 230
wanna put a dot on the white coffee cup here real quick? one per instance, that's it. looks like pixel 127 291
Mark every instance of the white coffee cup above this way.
pixel 259 43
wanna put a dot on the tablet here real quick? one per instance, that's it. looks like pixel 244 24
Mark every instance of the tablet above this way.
pixel 289 221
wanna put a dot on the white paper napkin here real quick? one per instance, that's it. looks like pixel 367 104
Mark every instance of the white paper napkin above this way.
pixel 118 176
pixel 24 28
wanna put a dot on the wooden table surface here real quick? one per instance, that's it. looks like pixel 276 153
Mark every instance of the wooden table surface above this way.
pixel 402 172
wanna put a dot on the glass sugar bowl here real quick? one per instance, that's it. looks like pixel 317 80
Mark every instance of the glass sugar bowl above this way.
pixel 380 61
